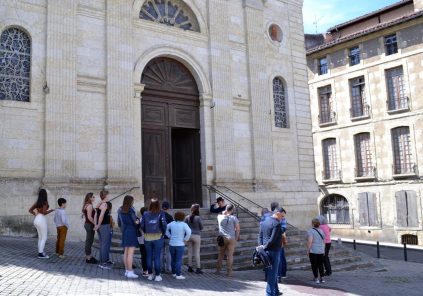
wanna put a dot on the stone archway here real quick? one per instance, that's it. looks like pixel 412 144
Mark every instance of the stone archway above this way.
pixel 170 133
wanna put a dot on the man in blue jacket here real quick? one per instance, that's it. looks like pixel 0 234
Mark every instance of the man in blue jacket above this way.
pixel 270 238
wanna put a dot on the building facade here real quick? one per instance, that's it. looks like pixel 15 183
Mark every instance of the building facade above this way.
pixel 365 81
pixel 160 95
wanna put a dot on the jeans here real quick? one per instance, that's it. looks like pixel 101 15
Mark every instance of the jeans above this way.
pixel 272 288
pixel 89 239
pixel 154 250
pixel 176 254
pixel 316 261
pixel 143 257
pixel 282 264
pixel 40 223
pixel 326 261
pixel 61 238
pixel 110 244
pixel 104 238
pixel 166 256
pixel 194 244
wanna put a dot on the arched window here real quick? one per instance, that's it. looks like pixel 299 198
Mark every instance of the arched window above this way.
pixel 173 13
pixel 280 105
pixel 15 65
pixel 336 209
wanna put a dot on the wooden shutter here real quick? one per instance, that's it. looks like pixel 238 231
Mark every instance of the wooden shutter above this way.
pixel 372 207
pixel 412 220
pixel 401 208
pixel 363 210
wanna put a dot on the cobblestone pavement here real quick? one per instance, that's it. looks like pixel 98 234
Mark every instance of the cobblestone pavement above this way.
pixel 21 273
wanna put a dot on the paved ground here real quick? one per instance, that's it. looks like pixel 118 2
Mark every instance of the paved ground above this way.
pixel 21 273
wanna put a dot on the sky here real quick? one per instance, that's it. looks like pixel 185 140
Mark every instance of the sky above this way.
pixel 329 13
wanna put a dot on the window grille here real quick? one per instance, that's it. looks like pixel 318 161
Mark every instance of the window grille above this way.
pixel 15 65
pixel 280 105
pixel 363 155
pixel 359 106
pixel 354 56
pixel 409 239
pixel 402 151
pixel 336 209
pixel 323 66
pixel 172 13
pixel 391 44
pixel 326 114
pixel 396 89
pixel 331 171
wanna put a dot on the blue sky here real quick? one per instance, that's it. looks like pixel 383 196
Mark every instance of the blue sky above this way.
pixel 332 12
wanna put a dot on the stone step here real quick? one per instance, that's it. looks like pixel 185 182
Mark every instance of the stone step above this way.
pixel 304 264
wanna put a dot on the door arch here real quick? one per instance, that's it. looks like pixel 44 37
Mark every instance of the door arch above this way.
pixel 170 133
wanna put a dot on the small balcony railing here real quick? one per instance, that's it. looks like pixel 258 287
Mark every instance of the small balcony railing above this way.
pixel 327 118
pixel 405 170
pixel 360 113
pixel 329 176
pixel 365 173
pixel 398 105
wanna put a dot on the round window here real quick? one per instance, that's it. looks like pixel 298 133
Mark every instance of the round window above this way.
pixel 275 33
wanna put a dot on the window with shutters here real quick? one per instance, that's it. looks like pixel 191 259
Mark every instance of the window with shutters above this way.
pixel 336 209
pixel 367 202
pixel 401 146
pixel 359 106
pixel 280 105
pixel 327 115
pixel 15 65
pixel 331 170
pixel 397 98
pixel 406 208
pixel 363 156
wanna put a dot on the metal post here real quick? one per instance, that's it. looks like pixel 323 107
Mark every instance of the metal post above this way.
pixel 405 252
pixel 355 247
pixel 378 250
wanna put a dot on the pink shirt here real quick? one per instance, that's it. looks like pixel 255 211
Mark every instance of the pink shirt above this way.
pixel 326 230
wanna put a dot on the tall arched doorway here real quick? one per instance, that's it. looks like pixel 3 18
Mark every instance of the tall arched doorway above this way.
pixel 171 168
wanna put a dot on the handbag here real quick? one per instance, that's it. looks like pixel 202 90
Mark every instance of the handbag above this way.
pixel 220 240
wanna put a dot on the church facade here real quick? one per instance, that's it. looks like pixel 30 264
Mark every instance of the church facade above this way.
pixel 157 96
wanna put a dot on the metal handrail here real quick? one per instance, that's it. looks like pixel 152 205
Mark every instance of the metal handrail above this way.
pixel 235 203
pixel 243 197
pixel 137 187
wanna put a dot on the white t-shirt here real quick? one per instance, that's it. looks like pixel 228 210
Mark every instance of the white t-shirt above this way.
pixel 227 225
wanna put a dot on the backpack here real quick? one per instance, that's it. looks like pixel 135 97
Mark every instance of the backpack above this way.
pixel 153 223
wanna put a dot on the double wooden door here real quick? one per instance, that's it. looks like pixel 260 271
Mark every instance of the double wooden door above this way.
pixel 171 152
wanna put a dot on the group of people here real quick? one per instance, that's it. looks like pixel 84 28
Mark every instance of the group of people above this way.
pixel 162 238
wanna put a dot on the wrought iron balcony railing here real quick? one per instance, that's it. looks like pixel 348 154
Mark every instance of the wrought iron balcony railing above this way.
pixel 327 118
pixel 404 170
pixel 360 113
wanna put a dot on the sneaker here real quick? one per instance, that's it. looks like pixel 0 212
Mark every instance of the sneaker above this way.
pixel 43 256
pixel 104 266
pixel 62 256
pixel 198 271
pixel 110 262
pixel 158 278
pixel 180 277
pixel 150 277
pixel 92 260
pixel 126 273
pixel 190 269
pixel 145 273
pixel 322 280
pixel 174 275
pixel 317 281
pixel 131 275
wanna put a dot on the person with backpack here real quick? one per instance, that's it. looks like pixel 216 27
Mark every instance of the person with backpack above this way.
pixel 229 232
pixel 316 250
pixel 153 224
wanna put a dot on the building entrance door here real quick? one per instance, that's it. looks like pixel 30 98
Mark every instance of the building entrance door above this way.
pixel 170 134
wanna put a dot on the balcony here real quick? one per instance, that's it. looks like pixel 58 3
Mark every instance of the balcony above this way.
pixel 331 176
pixel 360 113
pixel 404 170
pixel 327 119
pixel 398 105
pixel 365 174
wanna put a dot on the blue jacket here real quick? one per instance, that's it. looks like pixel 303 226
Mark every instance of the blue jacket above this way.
pixel 270 234
pixel 154 223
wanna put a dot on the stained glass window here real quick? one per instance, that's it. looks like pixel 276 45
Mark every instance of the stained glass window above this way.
pixel 15 65
pixel 171 13
pixel 281 108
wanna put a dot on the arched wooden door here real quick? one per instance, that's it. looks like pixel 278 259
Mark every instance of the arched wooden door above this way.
pixel 170 134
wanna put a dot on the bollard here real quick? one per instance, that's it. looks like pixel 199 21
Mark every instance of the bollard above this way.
pixel 378 250
pixel 355 247
pixel 405 252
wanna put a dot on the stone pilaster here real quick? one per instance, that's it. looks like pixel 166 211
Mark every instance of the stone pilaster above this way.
pixel 120 122
pixel 60 89
pixel 220 62
pixel 258 90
